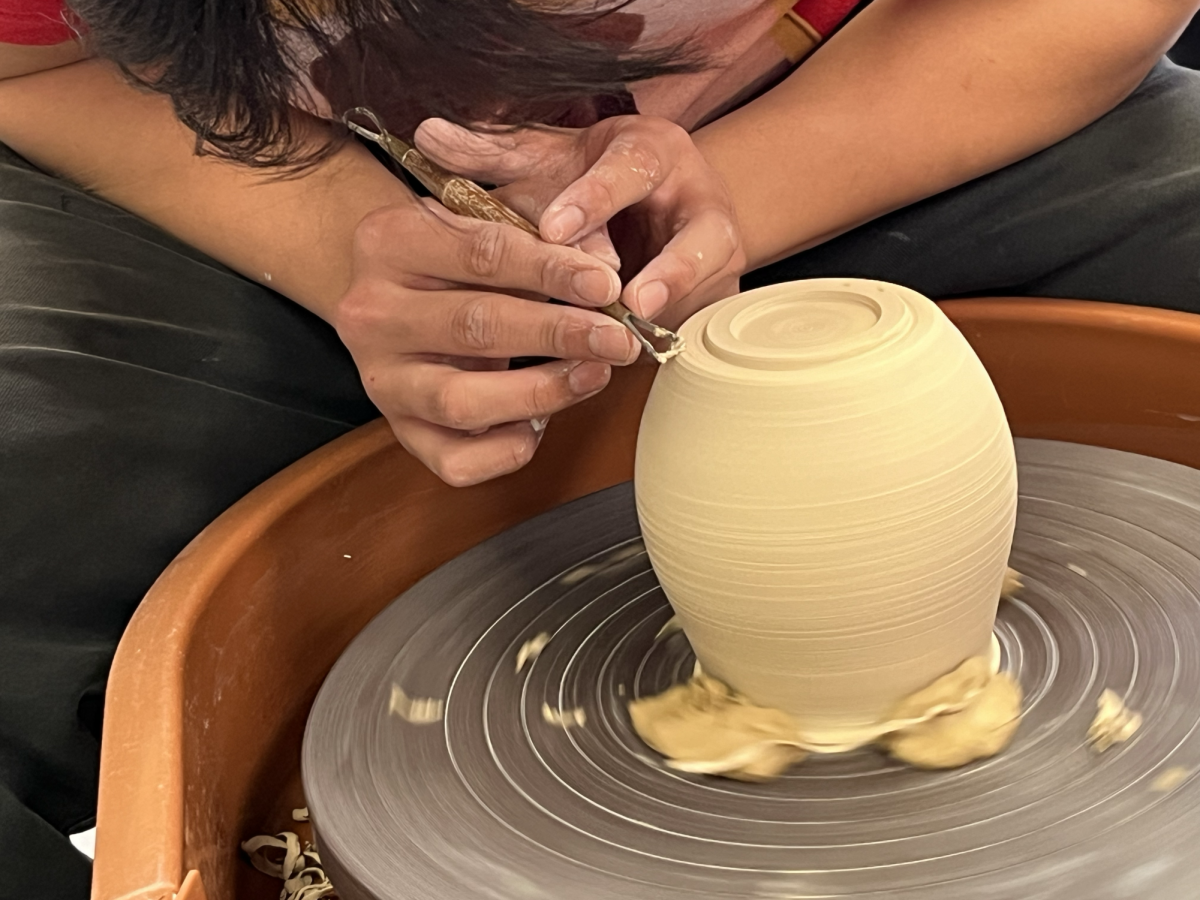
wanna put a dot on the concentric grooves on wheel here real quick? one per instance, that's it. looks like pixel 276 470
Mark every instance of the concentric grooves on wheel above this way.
pixel 495 802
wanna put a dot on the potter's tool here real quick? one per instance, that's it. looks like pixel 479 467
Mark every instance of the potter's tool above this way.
pixel 498 800
pixel 465 198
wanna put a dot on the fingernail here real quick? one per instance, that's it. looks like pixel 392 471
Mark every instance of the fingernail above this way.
pixel 598 286
pixel 610 258
pixel 606 255
pixel 652 297
pixel 611 342
pixel 442 129
pixel 442 136
pixel 539 425
pixel 588 377
pixel 564 223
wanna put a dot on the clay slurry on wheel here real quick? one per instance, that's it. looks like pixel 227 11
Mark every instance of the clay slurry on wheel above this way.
pixel 494 801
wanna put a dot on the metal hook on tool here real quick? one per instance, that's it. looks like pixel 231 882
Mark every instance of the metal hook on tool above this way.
pixel 466 198
pixel 376 136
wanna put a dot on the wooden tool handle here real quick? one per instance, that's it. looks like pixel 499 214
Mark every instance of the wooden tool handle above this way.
pixel 468 199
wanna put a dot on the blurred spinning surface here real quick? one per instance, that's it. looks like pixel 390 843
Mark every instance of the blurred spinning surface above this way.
pixel 496 802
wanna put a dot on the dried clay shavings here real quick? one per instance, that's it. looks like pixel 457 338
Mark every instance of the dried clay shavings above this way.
pixel 1169 779
pixel 563 718
pixel 415 710
pixel 298 867
pixel 531 650
pixel 1115 723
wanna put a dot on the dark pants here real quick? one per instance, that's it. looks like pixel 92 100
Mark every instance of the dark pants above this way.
pixel 144 388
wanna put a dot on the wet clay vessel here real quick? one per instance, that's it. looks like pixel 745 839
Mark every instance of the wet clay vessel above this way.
pixel 827 487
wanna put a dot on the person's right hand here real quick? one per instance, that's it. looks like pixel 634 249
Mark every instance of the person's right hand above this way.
pixel 432 342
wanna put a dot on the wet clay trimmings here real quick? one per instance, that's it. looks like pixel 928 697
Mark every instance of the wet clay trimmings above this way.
pixel 705 727
pixel 981 718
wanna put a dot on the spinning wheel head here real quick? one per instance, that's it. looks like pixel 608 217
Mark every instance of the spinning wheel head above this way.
pixel 501 800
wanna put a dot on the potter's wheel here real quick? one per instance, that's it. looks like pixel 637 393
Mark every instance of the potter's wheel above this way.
pixel 494 802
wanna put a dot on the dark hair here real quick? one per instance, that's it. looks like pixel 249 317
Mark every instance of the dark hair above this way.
pixel 232 67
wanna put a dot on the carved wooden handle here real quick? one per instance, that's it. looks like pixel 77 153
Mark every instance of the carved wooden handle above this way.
pixel 468 199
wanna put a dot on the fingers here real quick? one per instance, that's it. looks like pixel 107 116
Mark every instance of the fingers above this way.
pixel 701 249
pixel 474 323
pixel 599 244
pixel 630 169
pixel 460 459
pixel 495 157
pixel 407 307
pixel 471 401
pixel 531 196
pixel 461 424
pixel 428 242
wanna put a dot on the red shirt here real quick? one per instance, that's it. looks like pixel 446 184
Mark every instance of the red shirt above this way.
pixel 40 22
pixel 34 22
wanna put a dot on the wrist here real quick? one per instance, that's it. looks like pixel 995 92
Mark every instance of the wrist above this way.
pixel 348 189
pixel 721 154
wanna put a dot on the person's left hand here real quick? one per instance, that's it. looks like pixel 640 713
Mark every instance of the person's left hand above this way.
pixel 641 178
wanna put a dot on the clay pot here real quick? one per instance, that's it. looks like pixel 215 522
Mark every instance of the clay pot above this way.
pixel 827 487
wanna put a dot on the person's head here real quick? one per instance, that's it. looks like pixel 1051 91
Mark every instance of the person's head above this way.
pixel 234 67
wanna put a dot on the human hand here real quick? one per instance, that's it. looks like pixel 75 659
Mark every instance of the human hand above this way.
pixel 433 315
pixel 670 213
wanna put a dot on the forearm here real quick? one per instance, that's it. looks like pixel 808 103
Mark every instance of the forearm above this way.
pixel 917 96
pixel 84 122
pixel 20 59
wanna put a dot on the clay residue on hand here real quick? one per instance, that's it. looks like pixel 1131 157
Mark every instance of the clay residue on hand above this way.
pixel 1115 723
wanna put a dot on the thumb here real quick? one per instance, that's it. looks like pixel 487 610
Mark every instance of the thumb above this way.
pixel 493 156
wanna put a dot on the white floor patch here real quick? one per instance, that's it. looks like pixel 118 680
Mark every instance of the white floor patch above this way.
pixel 85 842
